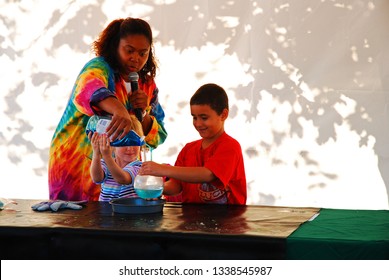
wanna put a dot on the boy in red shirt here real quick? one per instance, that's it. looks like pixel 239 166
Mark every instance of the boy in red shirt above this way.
pixel 211 169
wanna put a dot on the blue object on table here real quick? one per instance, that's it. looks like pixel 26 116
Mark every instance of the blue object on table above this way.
pixel 55 205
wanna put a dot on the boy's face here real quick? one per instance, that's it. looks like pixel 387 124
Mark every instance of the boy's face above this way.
pixel 207 122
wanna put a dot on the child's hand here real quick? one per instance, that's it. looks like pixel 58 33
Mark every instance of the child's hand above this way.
pixel 151 168
pixel 104 146
pixel 94 139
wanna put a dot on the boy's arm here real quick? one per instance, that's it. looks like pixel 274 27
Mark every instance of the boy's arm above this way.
pixel 186 174
pixel 190 174
pixel 172 187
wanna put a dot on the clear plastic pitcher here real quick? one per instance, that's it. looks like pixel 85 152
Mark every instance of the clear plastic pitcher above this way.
pixel 99 124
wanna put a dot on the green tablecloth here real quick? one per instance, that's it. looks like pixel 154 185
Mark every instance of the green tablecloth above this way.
pixel 342 234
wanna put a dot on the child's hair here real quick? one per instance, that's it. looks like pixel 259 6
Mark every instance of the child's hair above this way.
pixel 136 126
pixel 212 95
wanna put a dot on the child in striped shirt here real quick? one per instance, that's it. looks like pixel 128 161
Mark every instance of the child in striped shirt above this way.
pixel 115 168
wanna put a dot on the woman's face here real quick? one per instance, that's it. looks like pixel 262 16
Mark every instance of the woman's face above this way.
pixel 133 53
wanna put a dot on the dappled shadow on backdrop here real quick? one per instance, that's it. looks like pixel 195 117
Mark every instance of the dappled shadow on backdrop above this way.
pixel 296 52
pixel 313 55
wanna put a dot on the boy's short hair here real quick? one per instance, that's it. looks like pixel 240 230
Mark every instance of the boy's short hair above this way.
pixel 213 95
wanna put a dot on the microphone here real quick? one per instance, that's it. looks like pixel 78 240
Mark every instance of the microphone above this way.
pixel 134 77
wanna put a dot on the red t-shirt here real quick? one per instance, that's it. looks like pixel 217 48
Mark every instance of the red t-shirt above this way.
pixel 224 158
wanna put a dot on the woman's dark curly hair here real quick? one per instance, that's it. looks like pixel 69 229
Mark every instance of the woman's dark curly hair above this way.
pixel 108 41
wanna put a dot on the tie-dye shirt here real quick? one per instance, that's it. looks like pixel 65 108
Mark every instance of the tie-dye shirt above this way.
pixel 70 150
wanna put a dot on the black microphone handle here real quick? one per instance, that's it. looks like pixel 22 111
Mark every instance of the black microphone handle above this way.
pixel 138 112
pixel 134 86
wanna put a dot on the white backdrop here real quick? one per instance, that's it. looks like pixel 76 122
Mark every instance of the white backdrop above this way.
pixel 308 83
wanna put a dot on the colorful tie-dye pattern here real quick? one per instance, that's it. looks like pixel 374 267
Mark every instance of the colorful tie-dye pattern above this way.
pixel 70 150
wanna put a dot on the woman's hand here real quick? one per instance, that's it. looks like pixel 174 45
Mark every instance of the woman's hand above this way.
pixel 121 121
pixel 120 125
pixel 139 100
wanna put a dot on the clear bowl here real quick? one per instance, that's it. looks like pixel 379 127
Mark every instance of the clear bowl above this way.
pixel 148 187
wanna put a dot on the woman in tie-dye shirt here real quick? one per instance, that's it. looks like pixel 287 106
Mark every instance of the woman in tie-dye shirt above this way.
pixel 101 88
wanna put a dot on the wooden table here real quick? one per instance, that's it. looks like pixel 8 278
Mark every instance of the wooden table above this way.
pixel 189 231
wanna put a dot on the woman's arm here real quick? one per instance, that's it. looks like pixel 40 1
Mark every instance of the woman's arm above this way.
pixel 153 123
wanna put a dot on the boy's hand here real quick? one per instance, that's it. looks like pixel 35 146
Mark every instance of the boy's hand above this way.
pixel 152 168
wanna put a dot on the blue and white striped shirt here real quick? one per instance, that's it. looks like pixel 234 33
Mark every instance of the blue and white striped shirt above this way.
pixel 110 189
